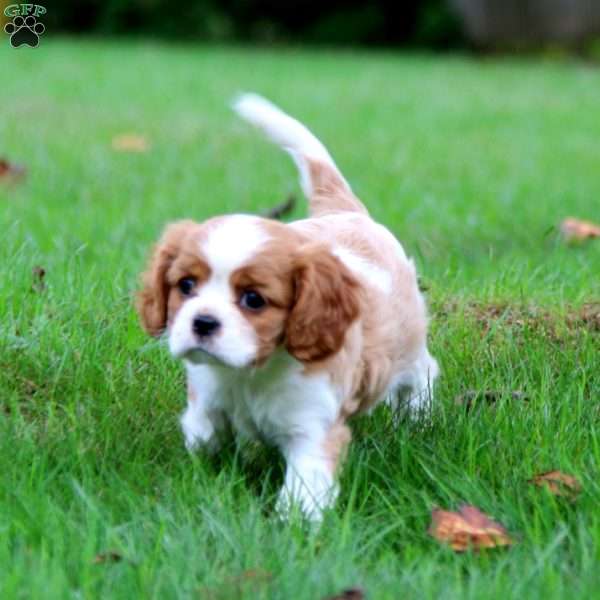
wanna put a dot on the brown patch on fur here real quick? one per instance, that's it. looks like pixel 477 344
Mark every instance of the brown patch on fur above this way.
pixel 330 192
pixel 311 297
pixel 327 302
pixel 336 444
pixel 157 294
pixel 269 274
pixel 187 264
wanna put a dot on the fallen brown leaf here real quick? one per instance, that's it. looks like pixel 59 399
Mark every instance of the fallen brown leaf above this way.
pixel 233 585
pixel 471 397
pixel 111 556
pixel 466 529
pixel 38 284
pixel 256 575
pixel 577 230
pixel 11 172
pixel 558 483
pixel 281 210
pixel 349 594
pixel 130 142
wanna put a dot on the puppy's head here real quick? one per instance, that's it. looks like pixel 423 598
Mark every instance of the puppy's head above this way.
pixel 232 290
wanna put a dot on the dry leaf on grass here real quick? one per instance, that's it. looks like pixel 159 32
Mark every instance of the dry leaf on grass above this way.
pixel 577 230
pixel 254 575
pixel 558 483
pixel 281 210
pixel 472 397
pixel 234 585
pixel 38 273
pixel 130 142
pixel 111 556
pixel 349 594
pixel 11 172
pixel 466 529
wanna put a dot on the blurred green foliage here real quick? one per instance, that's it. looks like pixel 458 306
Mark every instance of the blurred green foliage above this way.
pixel 351 22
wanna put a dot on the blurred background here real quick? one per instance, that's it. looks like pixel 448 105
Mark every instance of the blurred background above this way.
pixel 478 116
pixel 484 25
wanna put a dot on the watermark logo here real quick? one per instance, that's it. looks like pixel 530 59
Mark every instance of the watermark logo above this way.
pixel 24 29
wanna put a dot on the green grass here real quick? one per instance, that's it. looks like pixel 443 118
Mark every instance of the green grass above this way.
pixel 471 164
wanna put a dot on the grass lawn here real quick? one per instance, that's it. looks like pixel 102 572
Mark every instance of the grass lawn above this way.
pixel 471 164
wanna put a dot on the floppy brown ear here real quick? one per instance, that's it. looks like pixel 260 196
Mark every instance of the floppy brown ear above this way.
pixel 327 302
pixel 153 297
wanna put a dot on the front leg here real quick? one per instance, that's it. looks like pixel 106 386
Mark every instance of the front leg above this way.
pixel 202 422
pixel 412 390
pixel 312 462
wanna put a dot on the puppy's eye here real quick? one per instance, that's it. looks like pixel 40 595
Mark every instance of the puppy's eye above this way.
pixel 186 285
pixel 252 300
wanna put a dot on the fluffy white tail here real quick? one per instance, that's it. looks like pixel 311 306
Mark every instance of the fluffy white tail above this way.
pixel 318 172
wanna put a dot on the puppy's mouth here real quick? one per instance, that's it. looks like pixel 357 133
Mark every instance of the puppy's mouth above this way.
pixel 201 356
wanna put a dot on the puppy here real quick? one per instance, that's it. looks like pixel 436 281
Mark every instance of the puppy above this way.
pixel 287 330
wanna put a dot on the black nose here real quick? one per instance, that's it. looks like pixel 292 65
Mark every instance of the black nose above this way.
pixel 204 325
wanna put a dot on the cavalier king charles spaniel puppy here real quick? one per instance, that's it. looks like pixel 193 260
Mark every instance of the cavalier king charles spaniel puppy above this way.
pixel 287 330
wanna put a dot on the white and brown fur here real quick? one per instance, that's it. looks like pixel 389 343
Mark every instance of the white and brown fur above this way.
pixel 344 326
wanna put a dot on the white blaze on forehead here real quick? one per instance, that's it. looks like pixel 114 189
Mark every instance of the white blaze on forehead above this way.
pixel 233 242
pixel 365 269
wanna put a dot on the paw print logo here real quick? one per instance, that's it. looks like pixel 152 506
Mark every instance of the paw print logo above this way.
pixel 24 31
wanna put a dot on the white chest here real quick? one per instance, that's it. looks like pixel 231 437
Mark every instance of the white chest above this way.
pixel 274 403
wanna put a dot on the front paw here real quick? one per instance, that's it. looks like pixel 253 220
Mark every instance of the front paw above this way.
pixel 198 432
pixel 311 505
